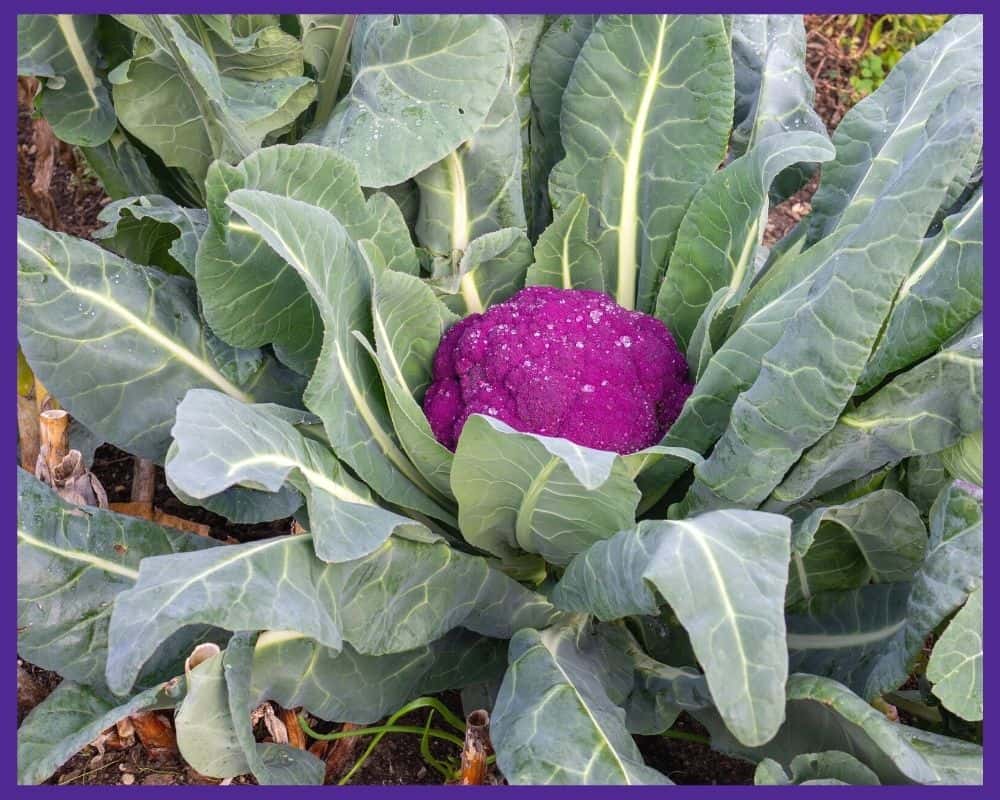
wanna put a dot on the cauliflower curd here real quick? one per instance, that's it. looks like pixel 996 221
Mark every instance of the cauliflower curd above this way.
pixel 560 362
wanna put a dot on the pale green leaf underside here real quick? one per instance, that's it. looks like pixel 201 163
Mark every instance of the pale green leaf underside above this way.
pixel 956 664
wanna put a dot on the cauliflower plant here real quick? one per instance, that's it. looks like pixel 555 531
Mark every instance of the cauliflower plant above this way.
pixel 560 362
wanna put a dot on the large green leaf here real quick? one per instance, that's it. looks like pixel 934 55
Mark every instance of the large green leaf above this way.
pixel 723 226
pixel 870 637
pixel 877 537
pixel 250 295
pixel 326 40
pixel 554 721
pixel 121 168
pixel 73 716
pixel 645 121
pixel 245 47
pixel 564 256
pixel 519 491
pixel 294 671
pixel 920 411
pixel 879 131
pixel 174 98
pixel 71 564
pixel 402 596
pixel 222 443
pixel 807 377
pixel 943 291
pixel 824 715
pixel 423 84
pixel 214 733
pixel 724 575
pixel 956 664
pixel 153 230
pixel 61 50
pixel 551 67
pixel 476 188
pixel 119 345
pixel 344 390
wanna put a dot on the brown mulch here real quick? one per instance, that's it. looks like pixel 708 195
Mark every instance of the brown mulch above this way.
pixel 77 199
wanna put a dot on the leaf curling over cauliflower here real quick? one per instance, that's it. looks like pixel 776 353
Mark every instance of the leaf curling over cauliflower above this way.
pixel 567 363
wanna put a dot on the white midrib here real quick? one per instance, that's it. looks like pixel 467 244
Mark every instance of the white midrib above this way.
pixel 628 221
pixel 526 510
pixel 460 203
pixel 316 479
pixel 593 719
pixel 821 641
pixel 935 254
pixel 182 354
pixel 76 555
pixel 566 276
pixel 68 30
pixel 919 93
pixel 384 336
pixel 730 611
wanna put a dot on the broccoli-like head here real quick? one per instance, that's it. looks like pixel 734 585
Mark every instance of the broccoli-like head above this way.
pixel 560 362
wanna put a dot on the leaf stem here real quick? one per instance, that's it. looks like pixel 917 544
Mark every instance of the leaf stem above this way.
pixel 684 736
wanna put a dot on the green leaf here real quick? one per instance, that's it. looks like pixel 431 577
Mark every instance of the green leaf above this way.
pixel 551 66
pixel 554 722
pixel 942 293
pixel 519 491
pixel 878 537
pixel 774 92
pixel 924 477
pixel 564 256
pixel 71 564
pixel 344 390
pixel 214 733
pixel 174 97
pixel 222 443
pixel 880 130
pixel 964 459
pixel 251 296
pixel 868 638
pixel 807 377
pixel 920 411
pixel 956 664
pixel 121 167
pixel 491 270
pixel 525 31
pixel 120 345
pixel 718 236
pixel 406 110
pixel 402 596
pixel 645 121
pixel 73 716
pixel 153 230
pixel 246 49
pixel 294 671
pixel 326 40
pixel 476 188
pixel 828 767
pixel 724 575
pixel 824 715
pixel 409 322
pixel 62 51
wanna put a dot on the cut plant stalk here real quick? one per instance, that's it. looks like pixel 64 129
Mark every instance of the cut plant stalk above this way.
pixel 63 469
pixel 476 749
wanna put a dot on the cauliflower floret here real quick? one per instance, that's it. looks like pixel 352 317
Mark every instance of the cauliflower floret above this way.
pixel 560 362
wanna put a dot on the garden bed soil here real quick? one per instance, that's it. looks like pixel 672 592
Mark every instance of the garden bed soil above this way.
pixel 78 198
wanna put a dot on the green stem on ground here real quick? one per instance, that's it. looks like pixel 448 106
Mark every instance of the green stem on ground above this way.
pixel 684 736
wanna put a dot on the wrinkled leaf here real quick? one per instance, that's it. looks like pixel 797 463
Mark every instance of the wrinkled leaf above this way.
pixel 644 121
pixel 956 664
pixel 120 344
pixel 564 256
pixel 829 767
pixel 724 575
pixel 406 110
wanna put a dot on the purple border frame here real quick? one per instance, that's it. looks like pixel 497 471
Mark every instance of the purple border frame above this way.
pixel 8 499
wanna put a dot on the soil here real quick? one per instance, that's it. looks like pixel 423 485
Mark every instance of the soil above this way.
pixel 77 199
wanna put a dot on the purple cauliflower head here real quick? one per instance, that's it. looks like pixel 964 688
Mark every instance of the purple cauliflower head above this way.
pixel 560 362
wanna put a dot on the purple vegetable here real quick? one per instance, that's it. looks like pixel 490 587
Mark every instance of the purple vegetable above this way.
pixel 560 362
